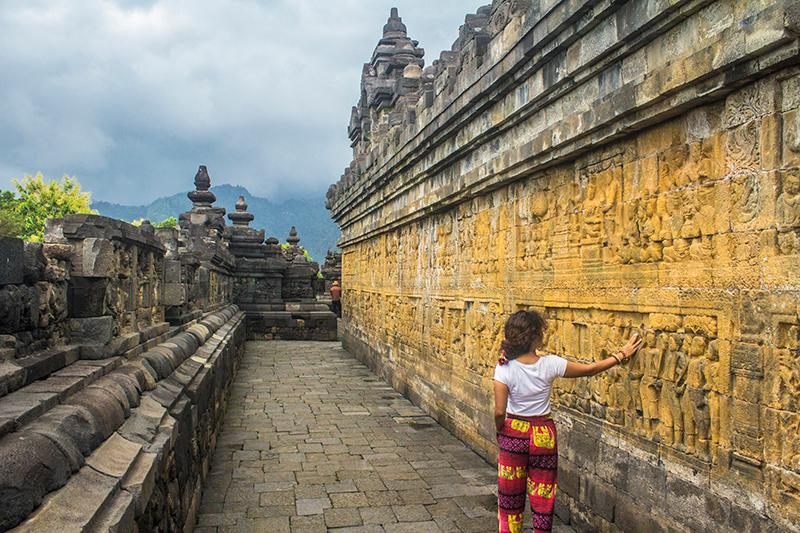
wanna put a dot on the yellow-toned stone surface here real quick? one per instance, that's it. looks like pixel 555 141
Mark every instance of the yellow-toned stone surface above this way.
pixel 634 204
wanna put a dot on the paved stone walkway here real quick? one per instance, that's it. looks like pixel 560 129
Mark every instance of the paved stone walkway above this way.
pixel 313 441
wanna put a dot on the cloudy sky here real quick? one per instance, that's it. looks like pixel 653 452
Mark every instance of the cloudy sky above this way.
pixel 131 95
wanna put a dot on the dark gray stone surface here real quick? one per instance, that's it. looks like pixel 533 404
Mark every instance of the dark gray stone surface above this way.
pixel 87 297
pixel 12 260
pixel 94 330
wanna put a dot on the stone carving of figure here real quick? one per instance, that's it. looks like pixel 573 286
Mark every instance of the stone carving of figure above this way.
pixel 676 250
pixel 592 215
pixel 690 228
pixel 609 205
pixel 630 250
pixel 673 384
pixel 693 402
pixel 634 390
pixel 710 384
pixel 788 214
pixel 705 209
pixel 787 377
pixel 650 230
pixel 652 354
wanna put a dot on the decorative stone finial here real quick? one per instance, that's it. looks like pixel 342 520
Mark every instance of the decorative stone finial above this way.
pixel 147 227
pixel 293 239
pixel 394 26
pixel 241 217
pixel 201 196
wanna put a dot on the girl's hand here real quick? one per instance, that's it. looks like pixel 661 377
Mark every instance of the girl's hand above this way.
pixel 630 348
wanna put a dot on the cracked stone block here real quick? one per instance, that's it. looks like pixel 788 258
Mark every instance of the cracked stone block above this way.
pixel 96 258
pixel 115 456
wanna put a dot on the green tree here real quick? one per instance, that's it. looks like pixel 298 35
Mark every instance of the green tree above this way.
pixel 170 222
pixel 39 200
pixel 10 221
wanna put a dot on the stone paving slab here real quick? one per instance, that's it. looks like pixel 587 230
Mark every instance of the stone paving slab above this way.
pixel 314 441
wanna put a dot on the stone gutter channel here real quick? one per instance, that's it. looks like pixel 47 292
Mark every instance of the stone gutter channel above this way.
pixel 121 443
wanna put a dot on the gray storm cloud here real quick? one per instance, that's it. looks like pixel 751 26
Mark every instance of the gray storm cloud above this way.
pixel 131 96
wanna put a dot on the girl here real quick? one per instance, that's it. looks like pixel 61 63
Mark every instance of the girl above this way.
pixel 526 435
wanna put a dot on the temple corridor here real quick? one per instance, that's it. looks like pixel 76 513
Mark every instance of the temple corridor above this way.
pixel 314 441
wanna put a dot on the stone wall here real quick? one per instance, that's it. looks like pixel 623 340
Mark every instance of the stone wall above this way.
pixel 118 345
pixel 33 301
pixel 618 166
pixel 108 412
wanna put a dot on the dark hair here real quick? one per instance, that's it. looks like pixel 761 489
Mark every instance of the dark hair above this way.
pixel 523 329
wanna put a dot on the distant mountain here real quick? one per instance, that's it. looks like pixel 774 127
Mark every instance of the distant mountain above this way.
pixel 316 229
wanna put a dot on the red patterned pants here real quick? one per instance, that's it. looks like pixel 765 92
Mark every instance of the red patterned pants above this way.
pixel 527 465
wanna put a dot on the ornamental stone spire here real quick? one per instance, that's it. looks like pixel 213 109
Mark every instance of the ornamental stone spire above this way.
pixel 394 27
pixel 241 217
pixel 293 239
pixel 201 196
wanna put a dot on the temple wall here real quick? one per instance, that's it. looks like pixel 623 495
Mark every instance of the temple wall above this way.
pixel 618 166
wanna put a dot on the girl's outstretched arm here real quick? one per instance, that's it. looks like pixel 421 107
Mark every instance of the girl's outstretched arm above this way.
pixel 579 370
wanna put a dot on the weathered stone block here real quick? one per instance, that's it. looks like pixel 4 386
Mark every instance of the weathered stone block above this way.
pixel 11 260
pixel 74 507
pixel 31 466
pixel 97 330
pixel 629 516
pixel 746 358
pixel 172 271
pixel 599 496
pixel 115 457
pixel 140 479
pixel 35 262
pixel 19 309
pixel 174 294
pixel 87 297
pixel 12 377
pixel 568 478
pixel 94 258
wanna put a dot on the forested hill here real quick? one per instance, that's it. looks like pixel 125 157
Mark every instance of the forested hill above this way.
pixel 317 231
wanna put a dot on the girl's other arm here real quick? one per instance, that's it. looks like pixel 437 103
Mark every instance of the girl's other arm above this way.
pixel 500 403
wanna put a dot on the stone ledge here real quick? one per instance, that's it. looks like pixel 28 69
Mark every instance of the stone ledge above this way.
pixel 92 415
pixel 85 226
pixel 20 372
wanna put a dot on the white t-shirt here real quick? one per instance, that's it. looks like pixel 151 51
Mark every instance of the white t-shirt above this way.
pixel 529 385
